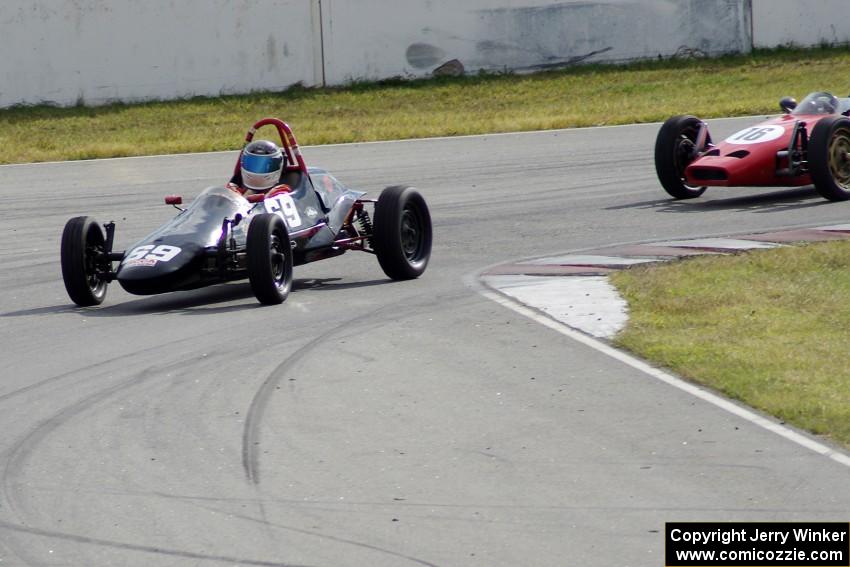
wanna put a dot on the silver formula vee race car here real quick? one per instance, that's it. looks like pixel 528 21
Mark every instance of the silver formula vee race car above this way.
pixel 227 234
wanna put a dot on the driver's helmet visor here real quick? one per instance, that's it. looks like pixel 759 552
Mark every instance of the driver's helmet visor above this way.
pixel 261 164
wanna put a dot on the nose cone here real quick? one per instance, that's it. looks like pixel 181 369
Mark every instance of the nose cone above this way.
pixel 713 170
pixel 158 268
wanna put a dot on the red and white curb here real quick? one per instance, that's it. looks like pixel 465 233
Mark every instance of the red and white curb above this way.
pixel 571 295
pixel 574 288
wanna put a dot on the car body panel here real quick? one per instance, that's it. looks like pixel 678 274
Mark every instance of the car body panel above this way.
pixel 738 161
pixel 757 156
pixel 183 253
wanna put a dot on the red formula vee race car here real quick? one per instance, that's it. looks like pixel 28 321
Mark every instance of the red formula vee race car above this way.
pixel 809 144
pixel 273 214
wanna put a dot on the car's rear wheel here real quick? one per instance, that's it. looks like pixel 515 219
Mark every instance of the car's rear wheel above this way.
pixel 402 232
pixel 269 259
pixel 829 157
pixel 83 260
pixel 674 151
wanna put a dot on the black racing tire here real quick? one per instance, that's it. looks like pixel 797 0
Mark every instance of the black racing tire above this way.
pixel 269 255
pixel 673 147
pixel 829 157
pixel 83 261
pixel 402 232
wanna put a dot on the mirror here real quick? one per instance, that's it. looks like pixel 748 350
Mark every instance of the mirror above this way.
pixel 173 200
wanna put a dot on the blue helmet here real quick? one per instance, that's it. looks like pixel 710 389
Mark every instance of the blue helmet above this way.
pixel 262 163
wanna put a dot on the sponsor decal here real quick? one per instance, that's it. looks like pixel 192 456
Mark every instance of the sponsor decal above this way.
pixel 141 262
pixel 311 212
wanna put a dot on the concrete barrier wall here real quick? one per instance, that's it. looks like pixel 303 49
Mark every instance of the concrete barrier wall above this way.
pixel 784 22
pixel 372 39
pixel 95 51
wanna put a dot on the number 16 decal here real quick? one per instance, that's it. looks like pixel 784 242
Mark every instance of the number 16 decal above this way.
pixel 286 206
pixel 756 135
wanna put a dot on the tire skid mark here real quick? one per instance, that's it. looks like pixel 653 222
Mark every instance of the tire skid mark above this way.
pixel 137 547
pixel 16 454
pixel 10 554
pixel 254 415
pixel 335 506
pixel 24 445
pixel 259 403
pixel 71 373
pixel 325 537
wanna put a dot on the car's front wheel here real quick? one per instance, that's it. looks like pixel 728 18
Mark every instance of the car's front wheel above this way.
pixel 83 260
pixel 269 259
pixel 402 232
pixel 829 157
pixel 674 151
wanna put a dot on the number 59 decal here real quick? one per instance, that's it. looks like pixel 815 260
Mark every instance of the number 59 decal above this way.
pixel 284 205
pixel 149 255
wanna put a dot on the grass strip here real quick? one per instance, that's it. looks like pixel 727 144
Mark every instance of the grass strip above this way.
pixel 768 328
pixel 590 95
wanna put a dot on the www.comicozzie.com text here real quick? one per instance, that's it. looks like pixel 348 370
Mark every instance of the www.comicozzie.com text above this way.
pixel 728 536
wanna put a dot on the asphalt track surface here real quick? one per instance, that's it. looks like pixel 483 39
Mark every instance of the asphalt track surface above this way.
pixel 364 421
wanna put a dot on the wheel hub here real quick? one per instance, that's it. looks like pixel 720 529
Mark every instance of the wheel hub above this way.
pixel 684 156
pixel 410 233
pixel 93 254
pixel 839 158
pixel 278 259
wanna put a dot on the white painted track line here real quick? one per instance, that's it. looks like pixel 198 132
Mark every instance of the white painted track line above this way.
pixel 638 364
